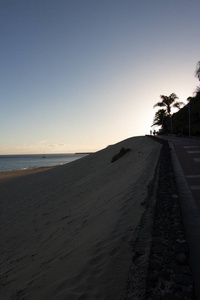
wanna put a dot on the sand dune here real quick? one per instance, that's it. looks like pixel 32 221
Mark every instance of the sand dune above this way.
pixel 65 231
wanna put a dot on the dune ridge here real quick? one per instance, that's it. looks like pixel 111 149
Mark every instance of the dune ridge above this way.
pixel 65 231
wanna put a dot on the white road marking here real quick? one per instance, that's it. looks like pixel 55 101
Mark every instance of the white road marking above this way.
pixel 195 187
pixel 192 152
pixel 192 176
pixel 188 147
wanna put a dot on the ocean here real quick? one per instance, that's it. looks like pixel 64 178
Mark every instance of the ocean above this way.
pixel 19 162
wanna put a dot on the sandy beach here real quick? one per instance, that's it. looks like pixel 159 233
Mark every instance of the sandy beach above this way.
pixel 66 231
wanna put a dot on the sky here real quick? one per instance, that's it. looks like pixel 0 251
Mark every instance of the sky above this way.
pixel 79 75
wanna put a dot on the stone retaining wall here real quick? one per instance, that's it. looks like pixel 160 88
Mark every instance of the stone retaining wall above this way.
pixel 160 268
pixel 169 276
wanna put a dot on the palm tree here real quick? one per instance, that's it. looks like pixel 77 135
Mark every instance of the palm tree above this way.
pixel 197 72
pixel 160 117
pixel 167 103
pixel 189 99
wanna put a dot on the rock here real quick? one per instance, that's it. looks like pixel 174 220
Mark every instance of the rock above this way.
pixel 183 279
pixel 181 259
pixel 158 248
pixel 188 292
pixel 185 269
pixel 152 281
pixel 175 196
pixel 136 255
pixel 166 260
pixel 154 265
pixel 164 274
pixel 170 296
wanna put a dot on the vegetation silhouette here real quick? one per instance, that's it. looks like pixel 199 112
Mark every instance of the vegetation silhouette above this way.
pixel 187 120
pixel 197 74
pixel 163 116
pixel 190 113
pixel 168 102
pixel 160 118
pixel 197 71
pixel 121 153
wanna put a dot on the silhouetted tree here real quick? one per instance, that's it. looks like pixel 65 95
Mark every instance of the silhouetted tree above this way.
pixel 197 72
pixel 168 102
pixel 189 99
pixel 160 118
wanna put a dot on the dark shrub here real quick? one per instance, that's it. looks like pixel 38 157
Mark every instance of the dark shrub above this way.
pixel 122 152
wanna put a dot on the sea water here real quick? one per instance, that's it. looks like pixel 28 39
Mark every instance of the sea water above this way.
pixel 19 162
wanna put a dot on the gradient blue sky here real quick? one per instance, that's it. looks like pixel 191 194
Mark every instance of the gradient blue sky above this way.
pixel 78 75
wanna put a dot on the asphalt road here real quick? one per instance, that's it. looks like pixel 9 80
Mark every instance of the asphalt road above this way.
pixel 188 153
pixel 185 153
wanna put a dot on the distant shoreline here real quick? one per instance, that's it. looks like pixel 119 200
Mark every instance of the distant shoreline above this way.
pixel 84 152
pixel 20 162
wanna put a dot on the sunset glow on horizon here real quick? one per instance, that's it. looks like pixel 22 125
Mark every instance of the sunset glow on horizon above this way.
pixel 77 76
